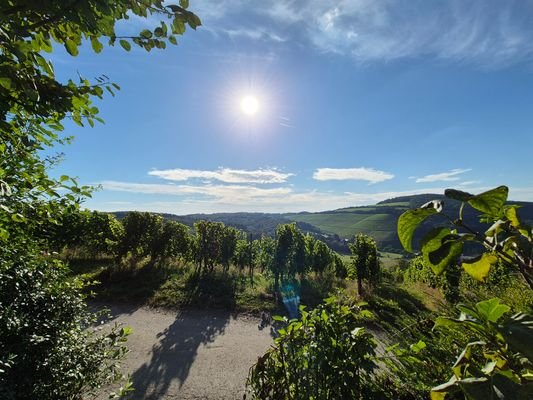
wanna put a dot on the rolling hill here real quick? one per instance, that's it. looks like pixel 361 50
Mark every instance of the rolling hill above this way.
pixel 336 226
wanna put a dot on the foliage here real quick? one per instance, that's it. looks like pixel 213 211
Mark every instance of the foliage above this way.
pixel 228 243
pixel 326 354
pixel 174 241
pixel 266 253
pixel 507 240
pixel 142 231
pixel 340 268
pixel 47 351
pixel 365 262
pixel 92 232
pixel 321 256
pixel 499 363
pixel 448 282
pixel 208 243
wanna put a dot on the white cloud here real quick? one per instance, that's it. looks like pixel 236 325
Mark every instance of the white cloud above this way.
pixel 361 174
pixel 448 176
pixel 209 190
pixel 240 198
pixel 469 183
pixel 226 175
pixel 491 34
pixel 254 34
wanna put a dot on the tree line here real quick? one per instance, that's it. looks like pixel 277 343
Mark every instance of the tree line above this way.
pixel 140 235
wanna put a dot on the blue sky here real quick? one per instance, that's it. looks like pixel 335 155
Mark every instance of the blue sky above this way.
pixel 359 101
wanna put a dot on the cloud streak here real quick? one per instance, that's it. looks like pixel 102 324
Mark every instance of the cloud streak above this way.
pixel 361 174
pixel 448 176
pixel 226 175
pixel 234 198
pixel 494 34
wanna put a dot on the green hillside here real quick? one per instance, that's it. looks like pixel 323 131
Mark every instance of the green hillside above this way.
pixel 378 221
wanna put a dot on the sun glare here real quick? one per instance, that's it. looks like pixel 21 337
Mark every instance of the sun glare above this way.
pixel 249 105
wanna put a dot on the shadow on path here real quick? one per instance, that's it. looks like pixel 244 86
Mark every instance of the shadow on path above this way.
pixel 175 352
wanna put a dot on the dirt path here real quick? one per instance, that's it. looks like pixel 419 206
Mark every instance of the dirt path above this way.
pixel 190 355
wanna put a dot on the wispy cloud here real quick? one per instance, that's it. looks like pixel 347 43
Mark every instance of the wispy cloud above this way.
pixel 361 174
pixel 233 198
pixel 254 34
pixel 469 183
pixel 490 34
pixel 226 175
pixel 187 199
pixel 207 190
pixel 448 176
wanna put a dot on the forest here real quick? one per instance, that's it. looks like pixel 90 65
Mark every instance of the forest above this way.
pixel 449 318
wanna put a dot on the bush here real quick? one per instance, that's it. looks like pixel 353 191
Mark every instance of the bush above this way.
pixel 47 350
pixel 326 354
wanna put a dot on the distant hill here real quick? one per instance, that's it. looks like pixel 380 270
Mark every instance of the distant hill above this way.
pixel 380 220
pixel 334 227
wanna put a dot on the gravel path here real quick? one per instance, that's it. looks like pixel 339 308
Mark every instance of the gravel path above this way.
pixel 190 355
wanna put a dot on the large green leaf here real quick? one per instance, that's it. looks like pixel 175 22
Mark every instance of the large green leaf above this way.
pixel 511 212
pixel 518 332
pixel 478 388
pixel 490 202
pixel 479 268
pixel 440 248
pixel 408 222
pixel 458 195
pixel 491 310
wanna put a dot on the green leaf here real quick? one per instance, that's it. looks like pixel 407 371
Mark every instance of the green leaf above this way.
pixel 458 195
pixel 178 26
pixel 146 34
pixel 5 82
pixel 18 217
pixel 71 47
pixel 439 392
pixel 479 268
pixel 440 248
pixel 511 213
pixel 45 66
pixel 184 3
pixel 193 20
pixel 437 395
pixel 476 388
pixel 4 234
pixel 418 347
pixel 518 332
pixel 172 39
pixel 490 202
pixel 491 310
pixel 96 45
pixel 408 222
pixel 125 44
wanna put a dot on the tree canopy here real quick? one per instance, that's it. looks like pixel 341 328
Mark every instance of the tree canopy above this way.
pixel 46 351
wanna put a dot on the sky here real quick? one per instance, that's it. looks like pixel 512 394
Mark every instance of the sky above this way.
pixel 346 103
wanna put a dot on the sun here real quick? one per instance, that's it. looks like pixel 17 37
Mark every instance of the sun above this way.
pixel 249 105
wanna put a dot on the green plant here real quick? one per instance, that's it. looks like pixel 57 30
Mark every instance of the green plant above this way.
pixel 507 240
pixel 47 350
pixel 326 354
pixel 499 363
pixel 365 261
